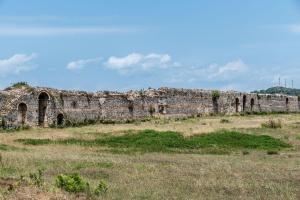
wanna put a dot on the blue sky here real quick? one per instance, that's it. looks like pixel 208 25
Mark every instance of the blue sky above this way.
pixel 121 45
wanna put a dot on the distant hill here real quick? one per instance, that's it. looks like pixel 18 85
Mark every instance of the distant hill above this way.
pixel 280 90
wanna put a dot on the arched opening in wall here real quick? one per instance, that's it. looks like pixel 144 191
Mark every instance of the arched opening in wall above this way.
pixel 60 119
pixel 252 104
pixel 130 108
pixel 215 104
pixel 244 102
pixel 287 104
pixel 22 110
pixel 151 110
pixel 162 109
pixel 74 104
pixel 237 104
pixel 43 103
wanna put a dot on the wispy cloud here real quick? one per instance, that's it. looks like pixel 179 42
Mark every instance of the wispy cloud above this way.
pixel 294 28
pixel 58 31
pixel 80 64
pixel 139 62
pixel 16 64
pixel 211 72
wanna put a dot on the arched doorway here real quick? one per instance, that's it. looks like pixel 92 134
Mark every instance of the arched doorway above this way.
pixel 215 104
pixel 60 119
pixel 287 104
pixel 252 104
pixel 43 103
pixel 22 110
pixel 237 104
pixel 244 102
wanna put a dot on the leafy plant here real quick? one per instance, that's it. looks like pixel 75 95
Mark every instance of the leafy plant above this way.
pixel 215 94
pixel 19 84
pixel 101 188
pixel 72 183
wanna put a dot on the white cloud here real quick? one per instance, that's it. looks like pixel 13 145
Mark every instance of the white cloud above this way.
pixel 213 72
pixel 234 66
pixel 295 28
pixel 137 61
pixel 58 31
pixel 80 64
pixel 16 64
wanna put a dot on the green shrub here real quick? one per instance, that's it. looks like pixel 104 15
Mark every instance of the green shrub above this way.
pixel 19 84
pixel 272 124
pixel 215 94
pixel 224 121
pixel 272 152
pixel 245 152
pixel 72 183
pixel 101 188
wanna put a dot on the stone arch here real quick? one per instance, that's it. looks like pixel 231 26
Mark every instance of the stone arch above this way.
pixel 43 104
pixel 22 113
pixel 215 104
pixel 60 119
pixel 252 102
pixel 244 103
pixel 162 109
pixel 237 104
pixel 287 102
pixel 130 107
pixel 74 104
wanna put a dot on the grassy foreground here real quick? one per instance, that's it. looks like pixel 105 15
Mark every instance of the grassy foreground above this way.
pixel 201 158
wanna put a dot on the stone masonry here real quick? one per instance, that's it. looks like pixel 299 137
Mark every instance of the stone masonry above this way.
pixel 36 106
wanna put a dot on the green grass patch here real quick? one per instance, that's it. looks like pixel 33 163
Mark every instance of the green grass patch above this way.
pixel 168 141
pixel 4 147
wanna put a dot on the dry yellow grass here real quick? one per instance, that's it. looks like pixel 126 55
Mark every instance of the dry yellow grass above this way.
pixel 160 175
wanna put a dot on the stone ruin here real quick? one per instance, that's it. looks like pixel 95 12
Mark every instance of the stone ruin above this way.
pixel 38 106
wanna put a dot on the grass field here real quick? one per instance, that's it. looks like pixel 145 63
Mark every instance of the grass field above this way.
pixel 197 158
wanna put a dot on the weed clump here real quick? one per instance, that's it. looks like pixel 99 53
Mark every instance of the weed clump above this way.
pixel 224 121
pixel 274 124
pixel 272 152
pixel 37 178
pixel 72 183
pixel 101 188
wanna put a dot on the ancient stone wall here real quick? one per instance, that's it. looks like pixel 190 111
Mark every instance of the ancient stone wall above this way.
pixel 46 106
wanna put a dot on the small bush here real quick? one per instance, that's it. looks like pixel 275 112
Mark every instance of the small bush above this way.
pixel 272 124
pixel 246 152
pixel 19 84
pixel 272 152
pixel 101 188
pixel 224 121
pixel 72 183
pixel 215 94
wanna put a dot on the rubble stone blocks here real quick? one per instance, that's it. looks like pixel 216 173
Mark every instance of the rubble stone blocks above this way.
pixel 38 106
